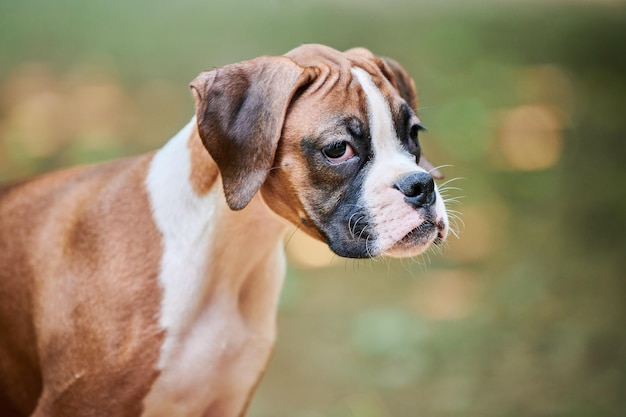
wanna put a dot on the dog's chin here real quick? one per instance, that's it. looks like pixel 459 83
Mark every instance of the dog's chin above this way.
pixel 417 241
pixel 414 243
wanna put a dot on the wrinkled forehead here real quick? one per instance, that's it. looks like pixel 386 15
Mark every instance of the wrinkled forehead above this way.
pixel 329 60
pixel 316 55
pixel 337 85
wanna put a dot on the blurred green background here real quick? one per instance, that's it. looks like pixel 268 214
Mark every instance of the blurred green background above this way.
pixel 524 315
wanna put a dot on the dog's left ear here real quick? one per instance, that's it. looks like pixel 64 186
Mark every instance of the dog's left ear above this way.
pixel 240 110
pixel 401 79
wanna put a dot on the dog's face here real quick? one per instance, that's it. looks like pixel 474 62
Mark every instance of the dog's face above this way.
pixel 343 154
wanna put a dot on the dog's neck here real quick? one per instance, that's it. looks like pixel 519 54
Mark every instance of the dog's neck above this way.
pixel 187 198
pixel 221 273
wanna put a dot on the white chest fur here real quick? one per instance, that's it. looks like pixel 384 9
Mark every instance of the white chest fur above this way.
pixel 215 348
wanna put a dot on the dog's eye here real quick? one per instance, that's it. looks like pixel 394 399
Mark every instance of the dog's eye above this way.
pixel 338 152
pixel 413 142
pixel 414 132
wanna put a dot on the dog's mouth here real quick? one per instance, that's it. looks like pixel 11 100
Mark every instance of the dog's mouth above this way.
pixel 420 238
pixel 422 235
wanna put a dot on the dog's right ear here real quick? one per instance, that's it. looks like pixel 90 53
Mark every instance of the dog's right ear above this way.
pixel 240 110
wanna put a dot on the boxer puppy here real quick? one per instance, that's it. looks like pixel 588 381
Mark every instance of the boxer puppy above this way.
pixel 149 286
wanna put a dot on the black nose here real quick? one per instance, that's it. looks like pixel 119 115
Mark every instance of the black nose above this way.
pixel 418 189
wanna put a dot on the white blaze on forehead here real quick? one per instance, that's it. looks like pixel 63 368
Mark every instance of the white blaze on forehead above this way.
pixel 382 131
pixel 386 145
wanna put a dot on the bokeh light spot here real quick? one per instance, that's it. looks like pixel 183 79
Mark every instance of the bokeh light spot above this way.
pixel 530 137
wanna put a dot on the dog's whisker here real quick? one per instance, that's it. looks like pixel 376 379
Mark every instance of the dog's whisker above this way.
pixel 447 196
pixel 450 197
pixel 455 227
pixel 361 234
pixel 446 182
pixel 349 227
pixel 452 215
pixel 367 248
pixel 353 229
pixel 292 234
pixel 442 166
pixel 453 202
pixel 358 220
pixel 456 218
pixel 449 188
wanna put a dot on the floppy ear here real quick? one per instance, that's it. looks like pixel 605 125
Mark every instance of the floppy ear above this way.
pixel 240 110
pixel 401 80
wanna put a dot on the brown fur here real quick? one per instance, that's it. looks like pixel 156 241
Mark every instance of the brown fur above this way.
pixel 204 171
pixel 60 324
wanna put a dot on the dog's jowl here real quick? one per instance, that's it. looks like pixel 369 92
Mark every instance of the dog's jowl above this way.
pixel 149 286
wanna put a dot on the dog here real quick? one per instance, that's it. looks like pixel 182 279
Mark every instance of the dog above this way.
pixel 148 286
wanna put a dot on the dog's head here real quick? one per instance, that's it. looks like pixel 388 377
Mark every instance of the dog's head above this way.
pixel 330 140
